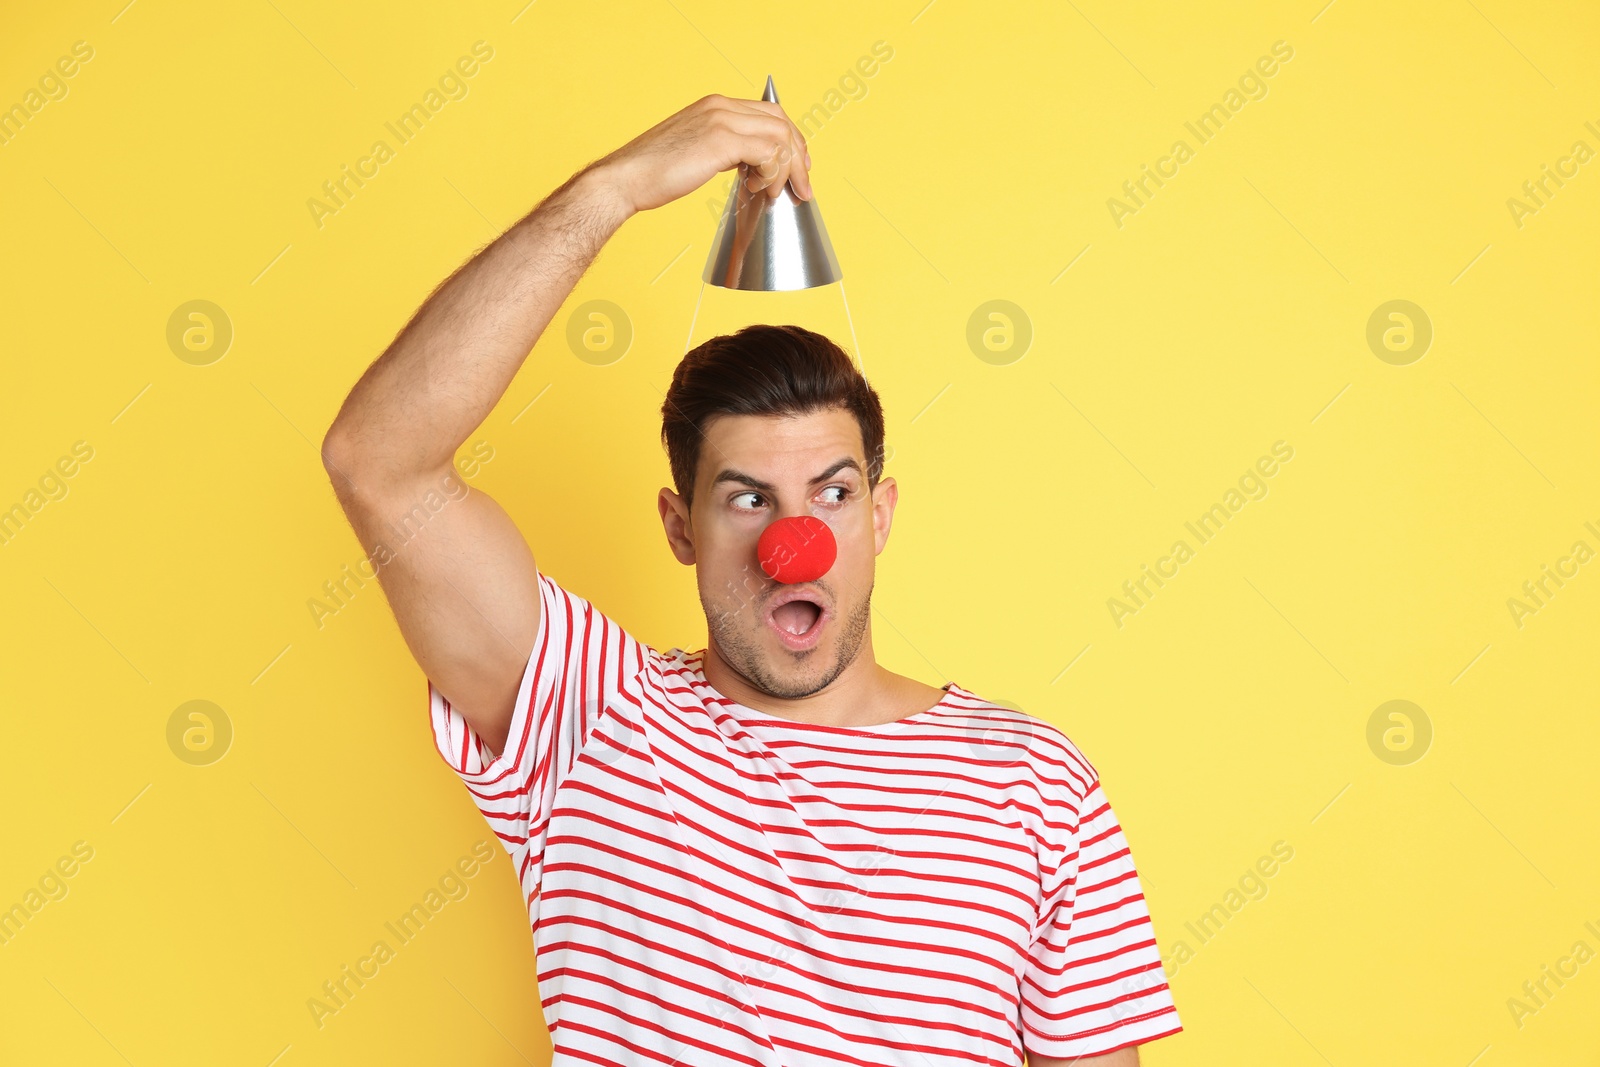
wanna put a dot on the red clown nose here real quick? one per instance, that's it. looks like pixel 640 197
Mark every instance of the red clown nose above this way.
pixel 800 548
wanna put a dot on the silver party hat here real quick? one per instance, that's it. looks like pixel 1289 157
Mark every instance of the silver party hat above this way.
pixel 770 243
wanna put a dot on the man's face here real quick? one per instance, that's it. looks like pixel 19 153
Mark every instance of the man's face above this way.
pixel 754 470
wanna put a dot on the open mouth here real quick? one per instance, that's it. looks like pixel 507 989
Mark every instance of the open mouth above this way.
pixel 798 621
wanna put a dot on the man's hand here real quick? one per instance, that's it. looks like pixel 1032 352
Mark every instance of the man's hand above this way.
pixel 680 154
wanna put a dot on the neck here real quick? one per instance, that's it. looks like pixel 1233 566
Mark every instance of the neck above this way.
pixel 860 696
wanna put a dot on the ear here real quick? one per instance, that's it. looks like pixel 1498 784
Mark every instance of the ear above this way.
pixel 885 495
pixel 675 520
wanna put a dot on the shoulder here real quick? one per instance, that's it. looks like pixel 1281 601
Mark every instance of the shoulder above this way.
pixel 582 625
pixel 1008 735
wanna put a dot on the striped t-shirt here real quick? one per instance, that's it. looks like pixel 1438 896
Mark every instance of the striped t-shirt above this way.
pixel 709 885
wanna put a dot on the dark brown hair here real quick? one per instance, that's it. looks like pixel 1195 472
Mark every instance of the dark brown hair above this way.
pixel 764 370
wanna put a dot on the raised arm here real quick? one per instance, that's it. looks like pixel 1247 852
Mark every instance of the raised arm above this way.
pixel 459 576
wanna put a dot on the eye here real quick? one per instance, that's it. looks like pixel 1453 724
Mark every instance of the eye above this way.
pixel 843 490
pixel 737 497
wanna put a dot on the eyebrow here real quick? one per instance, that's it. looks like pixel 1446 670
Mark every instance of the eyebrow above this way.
pixel 730 475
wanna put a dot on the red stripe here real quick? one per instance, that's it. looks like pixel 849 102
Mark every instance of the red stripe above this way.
pixel 963 1004
pixel 1008 804
pixel 1036 1002
pixel 767 1011
pixel 775 887
pixel 613 878
pixel 1117 1024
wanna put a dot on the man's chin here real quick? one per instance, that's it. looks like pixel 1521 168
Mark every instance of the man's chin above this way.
pixel 791 675
pixel 778 672
pixel 772 665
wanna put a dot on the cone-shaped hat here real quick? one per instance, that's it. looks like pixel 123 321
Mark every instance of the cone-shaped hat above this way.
pixel 770 243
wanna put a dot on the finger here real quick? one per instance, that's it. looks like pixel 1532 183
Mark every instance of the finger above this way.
pixel 798 158
pixel 766 174
pixel 784 168
pixel 766 144
pixel 800 175
pixel 800 166
pixel 758 131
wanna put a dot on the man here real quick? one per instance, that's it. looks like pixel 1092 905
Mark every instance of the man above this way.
pixel 772 851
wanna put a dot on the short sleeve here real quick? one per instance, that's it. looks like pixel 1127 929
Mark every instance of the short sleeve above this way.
pixel 582 663
pixel 1094 981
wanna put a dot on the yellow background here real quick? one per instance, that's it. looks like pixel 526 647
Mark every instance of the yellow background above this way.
pixel 1230 312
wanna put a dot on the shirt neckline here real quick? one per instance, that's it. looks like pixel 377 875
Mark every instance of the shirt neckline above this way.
pixel 748 716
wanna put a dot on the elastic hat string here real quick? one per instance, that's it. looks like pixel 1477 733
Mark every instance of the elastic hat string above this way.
pixel 855 345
